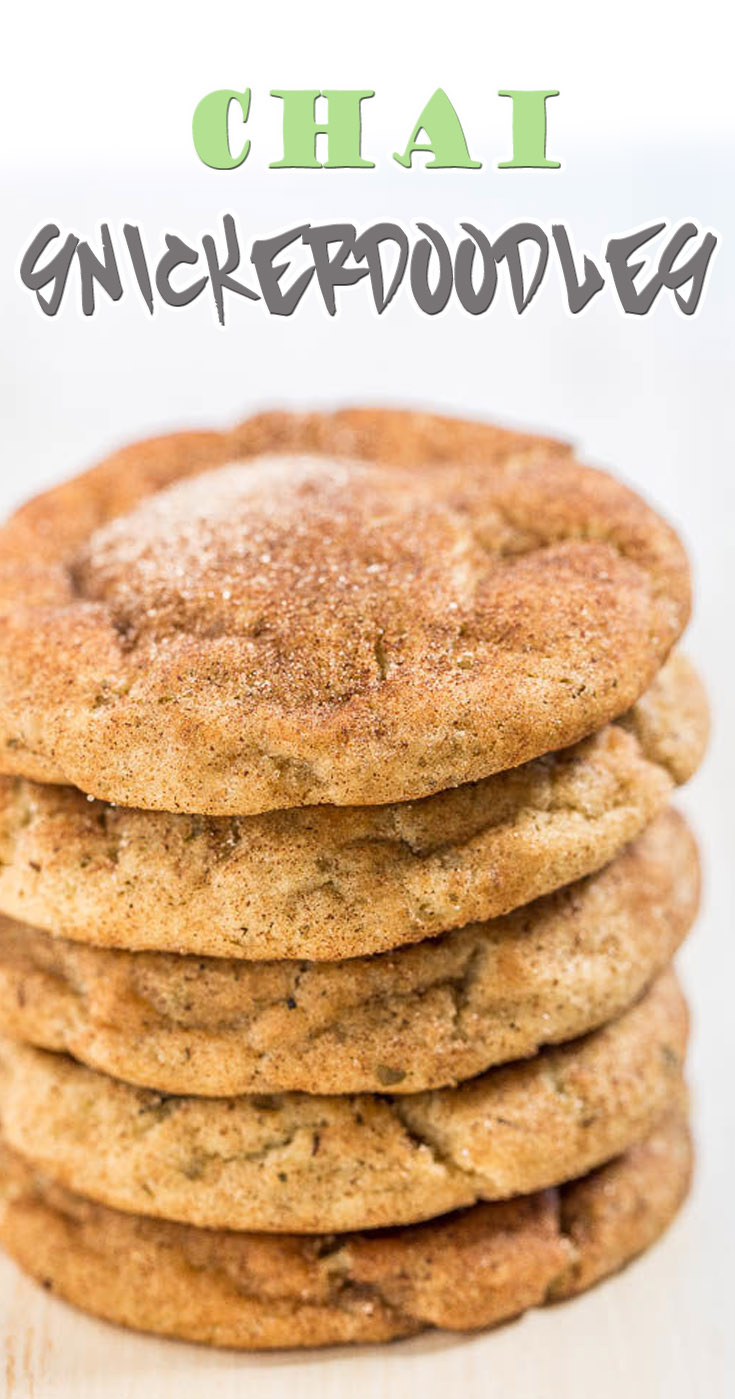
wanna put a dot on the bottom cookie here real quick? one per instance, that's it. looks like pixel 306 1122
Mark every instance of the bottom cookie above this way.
pixel 465 1271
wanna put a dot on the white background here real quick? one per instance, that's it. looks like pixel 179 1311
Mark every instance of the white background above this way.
pixel 95 112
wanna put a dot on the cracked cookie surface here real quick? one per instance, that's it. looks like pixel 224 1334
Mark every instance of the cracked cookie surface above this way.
pixel 418 1018
pixel 327 883
pixel 295 1162
pixel 463 1272
pixel 354 608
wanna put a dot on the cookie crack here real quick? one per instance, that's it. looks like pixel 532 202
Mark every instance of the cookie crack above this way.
pixel 422 1137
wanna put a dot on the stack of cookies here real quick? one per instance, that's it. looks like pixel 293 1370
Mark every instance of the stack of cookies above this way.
pixel 338 880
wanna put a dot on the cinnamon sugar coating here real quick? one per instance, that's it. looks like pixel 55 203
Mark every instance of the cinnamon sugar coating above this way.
pixel 355 608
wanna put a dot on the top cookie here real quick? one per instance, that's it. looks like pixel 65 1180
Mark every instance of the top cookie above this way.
pixel 357 608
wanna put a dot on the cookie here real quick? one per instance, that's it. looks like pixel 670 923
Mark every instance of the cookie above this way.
pixel 303 1163
pixel 359 608
pixel 422 1017
pixel 335 882
pixel 251 1291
